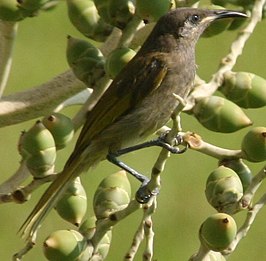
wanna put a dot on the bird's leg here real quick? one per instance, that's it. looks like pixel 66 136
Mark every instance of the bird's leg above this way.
pixel 113 159
pixel 160 142
pixel 144 194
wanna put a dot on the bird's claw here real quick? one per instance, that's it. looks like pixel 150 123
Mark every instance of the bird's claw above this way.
pixel 144 194
pixel 176 142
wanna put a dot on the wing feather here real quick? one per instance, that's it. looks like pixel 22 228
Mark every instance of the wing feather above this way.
pixel 123 95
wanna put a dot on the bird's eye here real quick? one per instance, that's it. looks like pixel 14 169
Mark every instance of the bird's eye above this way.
pixel 195 18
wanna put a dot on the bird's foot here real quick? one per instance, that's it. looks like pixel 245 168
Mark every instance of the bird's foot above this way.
pixel 144 194
pixel 178 140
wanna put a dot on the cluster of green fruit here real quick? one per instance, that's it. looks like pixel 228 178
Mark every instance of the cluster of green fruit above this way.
pixel 17 10
pixel 39 144
pixel 38 148
pixel 113 194
pixel 225 187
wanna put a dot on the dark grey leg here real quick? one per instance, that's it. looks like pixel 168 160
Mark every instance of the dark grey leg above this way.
pixel 143 194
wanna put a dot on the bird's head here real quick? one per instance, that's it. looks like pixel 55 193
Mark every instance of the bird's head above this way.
pixel 190 23
pixel 193 22
pixel 187 24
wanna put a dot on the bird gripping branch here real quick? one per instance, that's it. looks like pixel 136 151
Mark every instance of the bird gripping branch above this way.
pixel 139 101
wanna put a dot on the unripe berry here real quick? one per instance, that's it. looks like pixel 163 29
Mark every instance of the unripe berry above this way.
pixel 218 231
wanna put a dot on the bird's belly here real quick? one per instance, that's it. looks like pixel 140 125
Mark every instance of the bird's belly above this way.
pixel 144 120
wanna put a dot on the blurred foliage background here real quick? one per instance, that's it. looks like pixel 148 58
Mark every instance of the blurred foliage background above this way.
pixel 39 55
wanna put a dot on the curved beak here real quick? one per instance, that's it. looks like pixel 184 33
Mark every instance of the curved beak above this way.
pixel 220 14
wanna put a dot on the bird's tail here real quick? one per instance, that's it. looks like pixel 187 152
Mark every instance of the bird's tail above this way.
pixel 48 201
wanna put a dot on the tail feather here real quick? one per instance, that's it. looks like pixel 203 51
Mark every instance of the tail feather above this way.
pixel 48 201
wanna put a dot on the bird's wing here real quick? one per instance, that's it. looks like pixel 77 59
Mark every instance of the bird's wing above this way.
pixel 143 77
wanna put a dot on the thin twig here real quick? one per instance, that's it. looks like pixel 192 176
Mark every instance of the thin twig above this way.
pixel 252 188
pixel 148 231
pixel 144 229
pixel 104 225
pixel 130 31
pixel 196 143
pixel 137 239
pixel 14 181
pixel 8 33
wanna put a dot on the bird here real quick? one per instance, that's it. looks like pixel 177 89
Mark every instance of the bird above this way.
pixel 139 101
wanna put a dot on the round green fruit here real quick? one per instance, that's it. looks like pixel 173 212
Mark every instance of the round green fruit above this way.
pixel 152 10
pixel 61 127
pixel 218 231
pixel 254 145
pixel 117 60
pixel 223 189
pixel 9 10
pixel 64 245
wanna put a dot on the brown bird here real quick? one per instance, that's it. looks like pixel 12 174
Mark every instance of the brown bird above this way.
pixel 139 101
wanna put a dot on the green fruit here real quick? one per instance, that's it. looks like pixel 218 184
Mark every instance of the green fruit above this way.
pixel 117 60
pixel 61 127
pixel 31 8
pixel 241 169
pixel 104 245
pixel 37 148
pixel 116 12
pixel 32 4
pixel 254 145
pixel 88 227
pixel 64 245
pixel 218 231
pixel 9 10
pixel 224 189
pixel 84 16
pixel 220 115
pixel 72 206
pixel 86 61
pixel 152 10
pixel 245 89
pixel 112 194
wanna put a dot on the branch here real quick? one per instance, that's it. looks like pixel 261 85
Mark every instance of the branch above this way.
pixel 104 225
pixel 144 229
pixel 148 231
pixel 8 33
pixel 13 182
pixel 137 239
pixel 41 100
pixel 252 188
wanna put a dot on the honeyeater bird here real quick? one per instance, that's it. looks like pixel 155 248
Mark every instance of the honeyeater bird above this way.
pixel 139 101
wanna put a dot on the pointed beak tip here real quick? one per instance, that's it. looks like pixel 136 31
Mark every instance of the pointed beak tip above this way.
pixel 229 14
